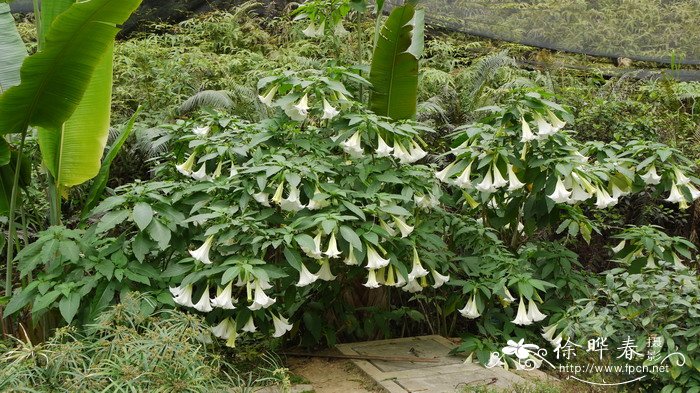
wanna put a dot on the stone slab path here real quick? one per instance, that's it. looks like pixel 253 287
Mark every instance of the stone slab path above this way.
pixel 450 374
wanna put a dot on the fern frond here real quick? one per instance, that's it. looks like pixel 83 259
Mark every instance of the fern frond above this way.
pixel 219 99
pixel 472 80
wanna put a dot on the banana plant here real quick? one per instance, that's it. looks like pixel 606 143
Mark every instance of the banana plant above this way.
pixel 65 92
pixel 394 70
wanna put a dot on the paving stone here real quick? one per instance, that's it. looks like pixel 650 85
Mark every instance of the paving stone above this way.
pixel 450 374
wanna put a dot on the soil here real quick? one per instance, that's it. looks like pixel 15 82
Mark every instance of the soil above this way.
pixel 332 375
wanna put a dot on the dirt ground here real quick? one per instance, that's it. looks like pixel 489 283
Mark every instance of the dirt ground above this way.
pixel 331 375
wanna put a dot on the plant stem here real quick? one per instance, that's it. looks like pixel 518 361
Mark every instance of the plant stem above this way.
pixel 13 210
pixel 54 197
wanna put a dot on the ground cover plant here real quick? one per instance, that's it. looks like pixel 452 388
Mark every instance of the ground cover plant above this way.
pixel 330 176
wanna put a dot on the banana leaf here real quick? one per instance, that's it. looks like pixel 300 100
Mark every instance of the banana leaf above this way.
pixel 12 50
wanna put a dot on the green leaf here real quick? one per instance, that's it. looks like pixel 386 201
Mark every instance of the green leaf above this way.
pixel 111 220
pixel 68 306
pixel 160 234
pixel 44 301
pixel 351 237
pixel 394 70
pixel 12 49
pixel 100 182
pixel 141 246
pixel 143 214
pixel 21 299
pixel 69 250
pixel 55 79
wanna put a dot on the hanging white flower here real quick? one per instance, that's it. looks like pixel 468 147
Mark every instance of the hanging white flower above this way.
pixel 617 192
pixel 544 129
pixel 310 30
pixel 250 326
pixel 390 230
pixel 560 194
pixel 201 131
pixel 651 177
pixel 204 303
pixel 353 145
pixel 217 171
pixel 261 300
pixel 350 260
pixel 426 202
pixel 603 199
pixel 224 329
pixel 486 185
pixel 374 260
pixel 416 153
pixel 418 270
pixel 464 179
pixel 202 253
pixel 494 361
pixel 267 99
pixel 470 310
pixel 513 182
pixel 316 253
pixel 498 180
pixel 325 273
pixel 201 174
pixel 521 318
pixel 383 149
pixel 401 154
pixel 233 172
pixel 508 297
pixel 439 279
pixel 694 192
pixel 681 178
pixel 328 111
pixel 292 202
pixel 262 198
pixel 413 286
pixel 372 279
pixel 400 279
pixel 186 167
pixel 675 195
pixel 442 175
pixel 300 110
pixel 282 325
pixel 339 29
pixel 224 299
pixel 548 332
pixel 578 190
pixel 316 202
pixel 306 277
pixel 390 279
pixel 620 246
pixel 527 131
pixel 556 122
pixel 533 313
pixel 182 296
pixel 405 229
pixel 332 250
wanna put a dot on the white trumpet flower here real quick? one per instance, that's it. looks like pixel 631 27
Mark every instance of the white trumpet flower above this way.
pixel 439 279
pixel 186 167
pixel 533 313
pixel 416 153
pixel 556 122
pixel 316 253
pixel 486 185
pixel 339 30
pixel 201 131
pixel 521 318
pixel 374 260
pixel 300 110
pixel 261 300
pixel 267 99
pixel 508 297
pixel 224 329
pixel 578 192
pixel 201 174
pixel 603 199
pixel 495 361
pixel 224 299
pixel 413 286
pixel 418 270
pixel 470 310
pixel 350 260
pixel 620 246
pixel 681 178
pixel 560 194
pixel 217 171
pixel 548 332
pixel 316 202
pixel 405 229
pixel 353 145
pixel 383 149
pixel 527 131
pixel 464 179
pixel 282 325
pixel 372 279
pixel 675 195
pixel 182 296
pixel 498 180
pixel 325 273
pixel 400 279
pixel 310 30
pixel 306 277
pixel 651 177
pixel 292 202
pixel 328 111
pixel 204 303
pixel 391 231
pixel 250 326
pixel 513 182
pixel 202 253
pixel 262 198
pixel 694 192
pixel 332 250
pixel 544 129
pixel 401 154
pixel 442 175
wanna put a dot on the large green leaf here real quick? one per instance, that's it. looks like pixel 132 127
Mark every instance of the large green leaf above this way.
pixel 72 153
pixel 394 71
pixel 12 49
pixel 55 79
